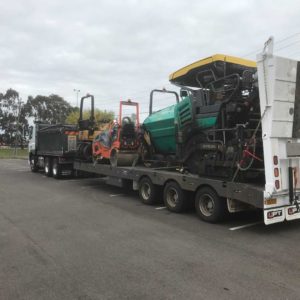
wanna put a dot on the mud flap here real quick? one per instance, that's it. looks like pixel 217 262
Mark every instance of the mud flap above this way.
pixel 274 215
pixel 292 213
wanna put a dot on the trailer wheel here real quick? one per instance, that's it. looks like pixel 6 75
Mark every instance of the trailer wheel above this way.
pixel 56 169
pixel 48 167
pixel 148 192
pixel 175 198
pixel 113 157
pixel 209 206
pixel 33 164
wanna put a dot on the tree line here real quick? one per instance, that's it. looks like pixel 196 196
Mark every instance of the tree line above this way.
pixel 17 115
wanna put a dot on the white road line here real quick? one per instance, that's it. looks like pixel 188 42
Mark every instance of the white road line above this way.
pixel 245 226
pixel 115 195
pixel 72 180
pixel 160 207
pixel 79 179
pixel 82 179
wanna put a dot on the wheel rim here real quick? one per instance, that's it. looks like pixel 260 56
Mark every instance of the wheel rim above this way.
pixel 172 197
pixel 206 205
pixel 54 170
pixel 46 169
pixel 146 191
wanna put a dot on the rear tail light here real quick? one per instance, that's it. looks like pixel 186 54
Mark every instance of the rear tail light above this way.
pixel 275 160
pixel 276 172
pixel 292 210
pixel 277 184
pixel 274 213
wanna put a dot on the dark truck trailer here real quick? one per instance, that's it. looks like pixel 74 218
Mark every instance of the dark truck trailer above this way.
pixel 53 148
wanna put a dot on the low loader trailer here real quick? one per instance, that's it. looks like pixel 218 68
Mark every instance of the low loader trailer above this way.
pixel 213 198
pixel 275 193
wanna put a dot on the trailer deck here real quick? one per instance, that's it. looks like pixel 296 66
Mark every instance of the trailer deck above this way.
pixel 248 193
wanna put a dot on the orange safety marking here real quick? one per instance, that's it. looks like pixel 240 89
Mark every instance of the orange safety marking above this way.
pixel 71 132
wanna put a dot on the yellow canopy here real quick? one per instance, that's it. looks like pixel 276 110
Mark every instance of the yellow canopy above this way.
pixel 232 63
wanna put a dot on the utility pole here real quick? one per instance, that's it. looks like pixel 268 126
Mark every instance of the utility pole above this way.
pixel 77 92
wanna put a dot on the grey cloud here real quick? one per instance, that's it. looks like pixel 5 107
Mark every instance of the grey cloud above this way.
pixel 125 48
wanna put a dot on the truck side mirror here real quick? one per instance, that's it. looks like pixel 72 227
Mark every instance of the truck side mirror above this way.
pixel 30 129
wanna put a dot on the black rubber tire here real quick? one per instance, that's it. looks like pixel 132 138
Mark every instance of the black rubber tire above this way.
pixel 209 206
pixel 87 152
pixel 193 156
pixel 33 164
pixel 48 166
pixel 73 173
pixel 56 169
pixel 148 192
pixel 175 199
pixel 113 158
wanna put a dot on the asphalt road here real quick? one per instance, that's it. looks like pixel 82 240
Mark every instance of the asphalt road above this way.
pixel 82 239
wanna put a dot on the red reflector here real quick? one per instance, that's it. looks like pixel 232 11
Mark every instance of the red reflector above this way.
pixel 276 172
pixel 277 184
pixel 275 160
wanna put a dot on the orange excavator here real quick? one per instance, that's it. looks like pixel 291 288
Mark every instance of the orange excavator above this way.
pixel 119 143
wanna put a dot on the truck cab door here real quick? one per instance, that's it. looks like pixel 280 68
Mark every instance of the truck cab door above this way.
pixel 32 139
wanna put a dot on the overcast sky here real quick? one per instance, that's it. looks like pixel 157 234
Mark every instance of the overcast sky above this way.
pixel 124 48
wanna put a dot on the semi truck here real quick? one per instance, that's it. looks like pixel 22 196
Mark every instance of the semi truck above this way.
pixel 52 148
pixel 250 163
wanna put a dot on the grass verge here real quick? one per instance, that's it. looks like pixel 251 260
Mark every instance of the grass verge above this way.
pixel 13 153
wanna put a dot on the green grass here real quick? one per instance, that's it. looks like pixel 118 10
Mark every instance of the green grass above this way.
pixel 12 153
